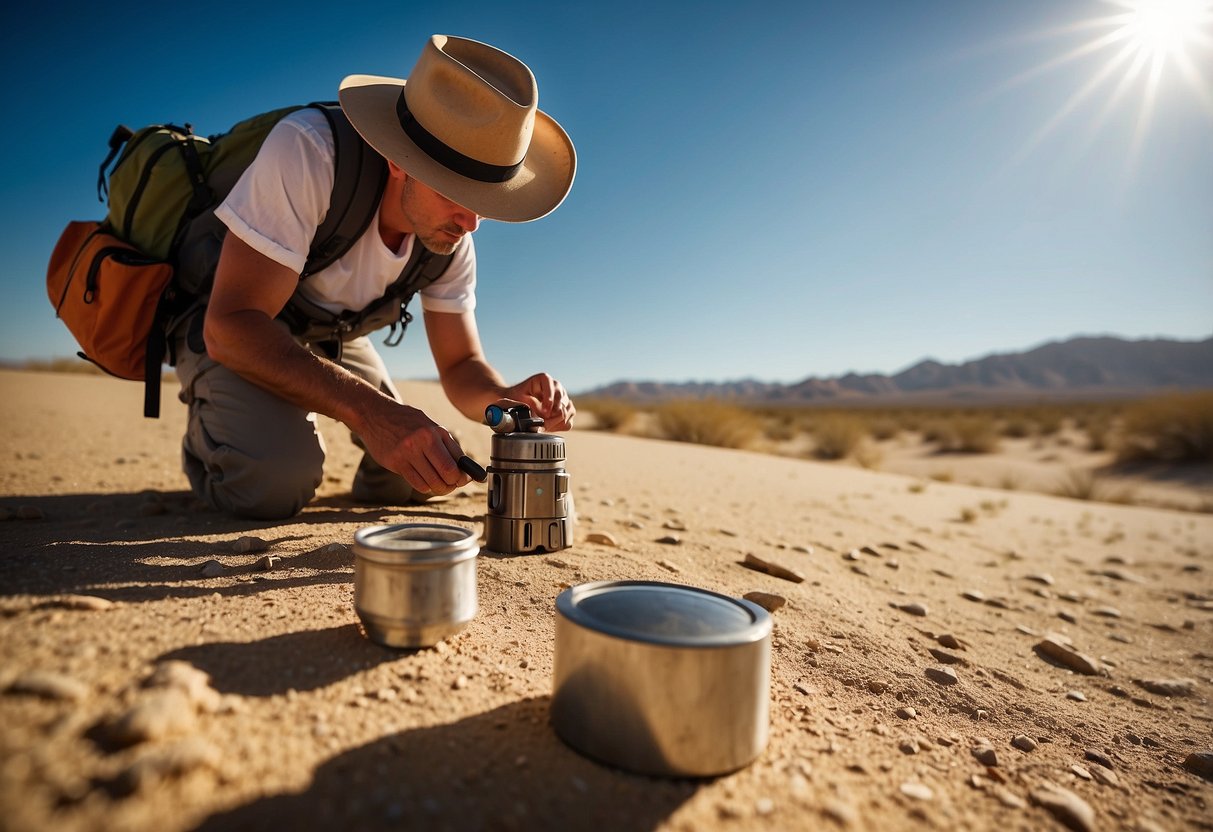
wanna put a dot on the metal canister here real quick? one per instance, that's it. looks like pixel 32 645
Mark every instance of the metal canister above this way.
pixel 528 494
pixel 660 678
pixel 414 583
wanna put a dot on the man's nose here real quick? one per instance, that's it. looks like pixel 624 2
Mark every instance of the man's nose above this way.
pixel 467 220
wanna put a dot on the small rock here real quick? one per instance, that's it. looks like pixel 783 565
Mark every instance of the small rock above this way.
pixel 669 566
pixel 1024 742
pixel 949 641
pixel 758 564
pixel 764 806
pixel 268 563
pixel 1040 578
pixel 1067 616
pixel 157 715
pixel 913 608
pixel 768 601
pixel 1106 776
pixel 1076 695
pixel 1168 687
pixel 1060 651
pixel 877 686
pixel 1098 757
pixel 1008 798
pixel 674 525
pixel 1080 771
pixel 1106 612
pixel 908 746
pixel 942 675
pixel 1200 763
pixel 82 602
pixel 975 595
pixel 248 544
pixel 602 539
pixel 460 682
pixel 49 685
pixel 670 540
pixel 868 550
pixel 173 760
pixel 1066 806
pixel 212 569
pixel 986 755
pixel 944 657
pixel 916 790
pixel 906 712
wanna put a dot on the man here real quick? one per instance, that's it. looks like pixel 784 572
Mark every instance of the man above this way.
pixel 464 141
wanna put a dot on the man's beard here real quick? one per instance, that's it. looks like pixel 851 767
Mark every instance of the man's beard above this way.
pixel 439 245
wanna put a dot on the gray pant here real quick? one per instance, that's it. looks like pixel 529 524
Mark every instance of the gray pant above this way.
pixel 252 454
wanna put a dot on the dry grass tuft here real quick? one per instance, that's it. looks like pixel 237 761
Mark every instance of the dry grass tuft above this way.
pixel 609 414
pixel 707 423
pixel 837 437
pixel 1081 484
pixel 1177 428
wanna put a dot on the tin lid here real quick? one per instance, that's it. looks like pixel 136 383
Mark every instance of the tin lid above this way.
pixel 665 614
pixel 416 543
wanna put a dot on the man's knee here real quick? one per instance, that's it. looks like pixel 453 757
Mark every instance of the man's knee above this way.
pixel 262 487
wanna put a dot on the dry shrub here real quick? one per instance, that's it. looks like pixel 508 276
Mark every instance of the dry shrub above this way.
pixel 1176 428
pixel 707 423
pixel 1081 484
pixel 884 427
pixel 977 434
pixel 1017 427
pixel 609 414
pixel 836 437
pixel 782 427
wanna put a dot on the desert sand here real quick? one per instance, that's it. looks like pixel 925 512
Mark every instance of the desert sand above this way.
pixel 154 677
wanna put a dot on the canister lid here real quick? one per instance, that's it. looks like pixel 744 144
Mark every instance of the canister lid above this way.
pixel 415 543
pixel 662 613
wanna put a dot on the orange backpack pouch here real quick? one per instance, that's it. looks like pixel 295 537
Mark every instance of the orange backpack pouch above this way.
pixel 107 293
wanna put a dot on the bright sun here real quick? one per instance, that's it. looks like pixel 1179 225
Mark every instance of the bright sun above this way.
pixel 1144 44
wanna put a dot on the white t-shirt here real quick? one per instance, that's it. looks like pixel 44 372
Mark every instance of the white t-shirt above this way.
pixel 281 199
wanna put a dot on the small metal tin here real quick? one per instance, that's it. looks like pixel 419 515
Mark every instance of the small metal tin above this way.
pixel 660 678
pixel 414 583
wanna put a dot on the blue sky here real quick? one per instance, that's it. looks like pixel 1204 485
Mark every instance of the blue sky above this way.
pixel 774 191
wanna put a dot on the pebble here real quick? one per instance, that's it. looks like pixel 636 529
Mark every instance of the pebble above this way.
pixel 172 760
pixel 82 602
pixel 669 566
pixel 1168 687
pixel 1076 695
pixel 1098 758
pixel 1106 776
pixel 1080 771
pixel 974 595
pixel 944 657
pixel 1040 578
pixel 906 713
pixel 460 682
pixel 942 675
pixel 1024 742
pixel 768 601
pixel 670 540
pixel 1106 612
pixel 674 525
pixel 774 569
pixel 868 550
pixel 267 563
pixel 1119 575
pixel 212 569
pixel 1008 798
pixel 602 539
pixel 877 686
pixel 909 746
pixel 157 715
pixel 852 555
pixel 1066 806
pixel 248 544
pixel 913 608
pixel 917 791
pixel 949 641
pixel 49 685
pixel 1067 616
pixel 764 806
pixel 1200 763
pixel 986 755
pixel 1054 648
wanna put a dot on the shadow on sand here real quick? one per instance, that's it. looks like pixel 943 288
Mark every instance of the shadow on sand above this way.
pixel 500 770
pixel 90 542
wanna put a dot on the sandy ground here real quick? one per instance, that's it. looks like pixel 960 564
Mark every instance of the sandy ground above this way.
pixel 107 721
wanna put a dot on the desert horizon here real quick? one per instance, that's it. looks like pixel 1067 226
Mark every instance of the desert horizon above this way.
pixel 955 655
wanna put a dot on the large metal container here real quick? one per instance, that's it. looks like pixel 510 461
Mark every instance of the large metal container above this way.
pixel 661 679
pixel 528 494
pixel 414 583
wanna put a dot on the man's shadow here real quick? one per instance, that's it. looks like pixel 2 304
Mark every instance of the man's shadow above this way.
pixel 500 770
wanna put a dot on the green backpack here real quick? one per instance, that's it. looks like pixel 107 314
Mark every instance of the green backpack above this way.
pixel 162 192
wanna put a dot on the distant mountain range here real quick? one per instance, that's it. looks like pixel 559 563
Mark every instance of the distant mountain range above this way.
pixel 1085 367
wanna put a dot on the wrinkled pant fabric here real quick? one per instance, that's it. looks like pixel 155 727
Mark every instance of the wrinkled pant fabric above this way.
pixel 252 454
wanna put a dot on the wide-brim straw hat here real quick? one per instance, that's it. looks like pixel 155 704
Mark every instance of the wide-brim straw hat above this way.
pixel 466 123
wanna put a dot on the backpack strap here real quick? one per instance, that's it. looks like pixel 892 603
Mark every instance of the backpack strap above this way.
pixel 359 178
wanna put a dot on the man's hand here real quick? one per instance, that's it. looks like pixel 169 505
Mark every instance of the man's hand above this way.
pixel 408 442
pixel 547 398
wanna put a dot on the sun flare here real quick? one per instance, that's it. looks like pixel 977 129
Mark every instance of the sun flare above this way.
pixel 1146 46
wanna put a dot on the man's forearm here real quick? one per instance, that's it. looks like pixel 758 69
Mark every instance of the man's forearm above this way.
pixel 472 385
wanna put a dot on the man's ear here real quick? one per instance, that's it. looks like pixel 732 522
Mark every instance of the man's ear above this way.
pixel 395 171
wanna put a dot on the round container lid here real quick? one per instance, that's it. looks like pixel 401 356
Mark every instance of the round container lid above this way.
pixel 665 614
pixel 416 542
